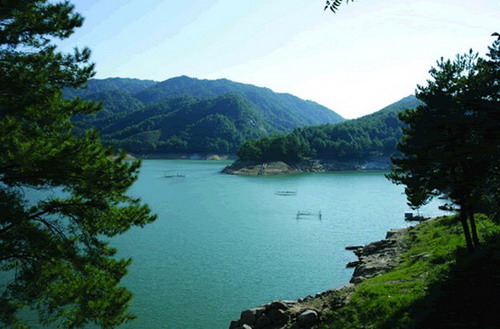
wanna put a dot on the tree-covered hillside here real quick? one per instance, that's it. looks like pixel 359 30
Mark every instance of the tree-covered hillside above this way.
pixel 376 134
pixel 93 86
pixel 184 124
pixel 283 111
pixel 190 115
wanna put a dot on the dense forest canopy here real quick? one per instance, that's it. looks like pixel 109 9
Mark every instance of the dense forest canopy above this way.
pixel 376 134
pixel 187 115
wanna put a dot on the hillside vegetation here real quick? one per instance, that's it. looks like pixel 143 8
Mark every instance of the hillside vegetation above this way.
pixel 190 115
pixel 438 284
pixel 376 134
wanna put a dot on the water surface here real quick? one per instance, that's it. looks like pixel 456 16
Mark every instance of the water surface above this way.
pixel 225 243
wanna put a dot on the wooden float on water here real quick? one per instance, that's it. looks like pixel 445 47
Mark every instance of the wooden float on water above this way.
pixel 286 193
pixel 307 214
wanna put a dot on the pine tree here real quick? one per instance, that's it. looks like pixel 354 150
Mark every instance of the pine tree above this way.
pixel 62 196
pixel 451 145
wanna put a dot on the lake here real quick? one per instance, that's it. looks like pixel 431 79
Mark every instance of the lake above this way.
pixel 223 243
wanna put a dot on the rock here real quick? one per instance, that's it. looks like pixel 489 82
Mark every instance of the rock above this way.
pixel 357 279
pixel 308 318
pixel 278 305
pixel 277 316
pixel 420 256
pixel 217 157
pixel 263 322
pixel 353 247
pixel 250 316
pixel 290 302
pixel 353 264
pixel 252 168
pixel 374 259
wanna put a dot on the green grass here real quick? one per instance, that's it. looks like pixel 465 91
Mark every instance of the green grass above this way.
pixel 435 286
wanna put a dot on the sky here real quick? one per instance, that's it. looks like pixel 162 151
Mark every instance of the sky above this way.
pixel 368 55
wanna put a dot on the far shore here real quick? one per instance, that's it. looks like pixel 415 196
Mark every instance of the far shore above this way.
pixel 182 156
pixel 258 168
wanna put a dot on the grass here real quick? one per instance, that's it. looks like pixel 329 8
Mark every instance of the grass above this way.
pixel 438 284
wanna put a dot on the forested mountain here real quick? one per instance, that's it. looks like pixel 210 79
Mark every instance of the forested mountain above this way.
pixel 93 86
pixel 283 111
pixel 190 115
pixel 185 124
pixel 372 135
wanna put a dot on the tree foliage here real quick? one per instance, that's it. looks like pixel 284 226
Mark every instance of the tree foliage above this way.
pixel 376 134
pixel 185 109
pixel 334 5
pixel 61 195
pixel 451 144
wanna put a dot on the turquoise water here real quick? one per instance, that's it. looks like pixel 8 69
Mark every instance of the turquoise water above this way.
pixel 225 243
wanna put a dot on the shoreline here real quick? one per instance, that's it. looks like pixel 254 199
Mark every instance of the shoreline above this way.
pixel 374 259
pixel 258 168
pixel 182 156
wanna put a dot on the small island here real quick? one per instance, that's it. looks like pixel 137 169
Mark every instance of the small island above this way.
pixel 256 168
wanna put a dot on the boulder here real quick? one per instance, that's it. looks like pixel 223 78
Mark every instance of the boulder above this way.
pixel 278 305
pixel 250 316
pixel 353 264
pixel 263 322
pixel 308 318
pixel 353 247
pixel 277 316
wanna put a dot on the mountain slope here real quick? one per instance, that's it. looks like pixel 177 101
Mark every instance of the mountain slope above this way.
pixel 184 124
pixel 189 115
pixel 284 111
pixel 376 134
pixel 93 86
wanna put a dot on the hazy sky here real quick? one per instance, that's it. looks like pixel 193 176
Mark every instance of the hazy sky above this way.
pixel 368 55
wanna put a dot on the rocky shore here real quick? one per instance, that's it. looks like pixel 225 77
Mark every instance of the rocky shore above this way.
pixel 255 168
pixel 306 313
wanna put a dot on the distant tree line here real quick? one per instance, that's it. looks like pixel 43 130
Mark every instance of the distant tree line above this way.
pixel 373 135
pixel 184 114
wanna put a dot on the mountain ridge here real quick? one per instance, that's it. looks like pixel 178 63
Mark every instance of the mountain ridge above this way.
pixel 373 135
pixel 144 116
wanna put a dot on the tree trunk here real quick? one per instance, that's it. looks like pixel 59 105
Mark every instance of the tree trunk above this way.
pixel 472 221
pixel 463 220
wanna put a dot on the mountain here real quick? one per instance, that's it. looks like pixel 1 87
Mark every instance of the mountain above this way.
pixel 376 134
pixel 93 86
pixel 190 115
pixel 283 111
pixel 186 124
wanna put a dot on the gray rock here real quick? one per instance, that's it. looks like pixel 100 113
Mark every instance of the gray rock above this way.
pixel 357 279
pixel 278 305
pixel 393 233
pixel 308 318
pixel 250 316
pixel 246 326
pixel 420 256
pixel 277 316
pixel 353 264
pixel 263 322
